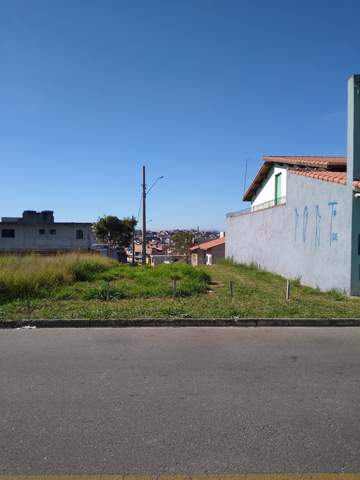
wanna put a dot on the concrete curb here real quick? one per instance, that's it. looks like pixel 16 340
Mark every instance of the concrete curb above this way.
pixel 184 322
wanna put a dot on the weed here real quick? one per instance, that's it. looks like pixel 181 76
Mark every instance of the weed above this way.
pixel 336 294
pixel 49 290
pixel 105 291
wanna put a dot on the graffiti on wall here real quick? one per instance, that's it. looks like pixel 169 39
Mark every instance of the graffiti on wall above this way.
pixel 305 222
pixel 297 215
pixel 333 235
pixel 307 213
pixel 317 226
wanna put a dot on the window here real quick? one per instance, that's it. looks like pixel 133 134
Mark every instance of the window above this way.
pixel 41 231
pixel 79 235
pixel 53 231
pixel 8 233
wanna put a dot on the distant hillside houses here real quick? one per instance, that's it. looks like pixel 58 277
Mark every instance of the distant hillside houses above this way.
pixel 304 216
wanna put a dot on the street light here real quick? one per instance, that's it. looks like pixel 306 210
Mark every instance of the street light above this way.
pixel 144 193
pixel 153 185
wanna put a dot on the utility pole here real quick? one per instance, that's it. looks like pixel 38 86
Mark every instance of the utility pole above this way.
pixel 145 192
pixel 133 245
pixel 143 253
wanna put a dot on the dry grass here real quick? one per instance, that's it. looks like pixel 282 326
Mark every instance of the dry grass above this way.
pixel 35 275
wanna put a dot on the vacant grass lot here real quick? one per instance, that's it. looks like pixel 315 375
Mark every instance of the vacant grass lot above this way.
pixel 92 287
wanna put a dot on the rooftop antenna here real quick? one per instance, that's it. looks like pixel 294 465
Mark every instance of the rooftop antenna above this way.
pixel 245 174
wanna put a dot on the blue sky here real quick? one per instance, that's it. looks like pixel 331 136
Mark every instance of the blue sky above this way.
pixel 92 90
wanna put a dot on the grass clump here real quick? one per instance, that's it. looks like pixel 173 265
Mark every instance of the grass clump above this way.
pixel 86 269
pixel 104 291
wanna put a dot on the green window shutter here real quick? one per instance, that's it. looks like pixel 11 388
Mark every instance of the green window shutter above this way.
pixel 277 188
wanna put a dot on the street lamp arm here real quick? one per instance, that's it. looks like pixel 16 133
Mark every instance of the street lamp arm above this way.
pixel 153 185
pixel 143 200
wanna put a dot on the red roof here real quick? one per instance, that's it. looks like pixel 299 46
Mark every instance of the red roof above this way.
pixel 327 176
pixel 328 163
pixel 336 177
pixel 208 245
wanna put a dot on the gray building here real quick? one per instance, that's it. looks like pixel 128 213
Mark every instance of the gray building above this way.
pixel 304 217
pixel 38 232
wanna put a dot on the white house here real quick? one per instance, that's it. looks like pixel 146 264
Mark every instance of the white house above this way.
pixel 304 215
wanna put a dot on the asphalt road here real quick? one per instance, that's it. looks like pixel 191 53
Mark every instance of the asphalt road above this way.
pixel 195 400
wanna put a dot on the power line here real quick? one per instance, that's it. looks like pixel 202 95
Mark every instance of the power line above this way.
pixel 139 211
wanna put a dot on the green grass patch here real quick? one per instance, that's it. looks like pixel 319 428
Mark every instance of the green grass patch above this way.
pixel 92 287
pixel 92 277
pixel 126 281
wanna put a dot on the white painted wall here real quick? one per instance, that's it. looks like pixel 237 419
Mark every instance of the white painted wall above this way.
pixel 308 238
pixel 266 192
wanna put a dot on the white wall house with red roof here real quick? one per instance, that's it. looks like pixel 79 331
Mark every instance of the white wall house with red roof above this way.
pixel 208 253
pixel 304 215
pixel 273 188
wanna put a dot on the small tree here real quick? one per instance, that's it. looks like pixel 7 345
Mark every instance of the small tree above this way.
pixel 113 231
pixel 182 241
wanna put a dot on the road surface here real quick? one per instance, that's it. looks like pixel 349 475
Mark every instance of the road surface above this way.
pixel 179 400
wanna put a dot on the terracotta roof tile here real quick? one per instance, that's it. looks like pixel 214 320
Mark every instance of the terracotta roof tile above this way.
pixel 327 176
pixel 324 161
pixel 207 245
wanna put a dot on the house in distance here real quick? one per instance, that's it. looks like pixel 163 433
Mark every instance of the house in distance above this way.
pixel 304 215
pixel 210 252
pixel 38 232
